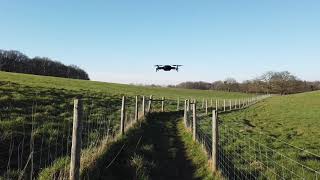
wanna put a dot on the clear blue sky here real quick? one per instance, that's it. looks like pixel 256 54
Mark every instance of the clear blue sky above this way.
pixel 121 40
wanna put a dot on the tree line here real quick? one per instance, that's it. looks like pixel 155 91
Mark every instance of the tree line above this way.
pixel 15 61
pixel 270 82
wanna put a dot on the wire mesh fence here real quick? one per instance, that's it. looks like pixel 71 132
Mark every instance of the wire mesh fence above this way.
pixel 37 140
pixel 240 156
pixel 34 140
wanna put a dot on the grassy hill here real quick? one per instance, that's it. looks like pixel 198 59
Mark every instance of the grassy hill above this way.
pixel 42 107
pixel 112 88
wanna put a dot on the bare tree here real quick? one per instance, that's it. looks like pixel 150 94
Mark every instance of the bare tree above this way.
pixel 283 82
pixel 231 84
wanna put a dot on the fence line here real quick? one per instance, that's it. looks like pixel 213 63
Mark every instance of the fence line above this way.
pixel 45 140
pixel 237 156
pixel 36 146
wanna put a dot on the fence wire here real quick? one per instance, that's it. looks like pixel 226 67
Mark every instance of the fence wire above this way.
pixel 243 157
pixel 39 139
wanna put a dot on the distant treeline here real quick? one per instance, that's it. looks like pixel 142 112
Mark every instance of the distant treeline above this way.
pixel 270 82
pixel 15 61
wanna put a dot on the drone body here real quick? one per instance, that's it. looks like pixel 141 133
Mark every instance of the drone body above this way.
pixel 167 67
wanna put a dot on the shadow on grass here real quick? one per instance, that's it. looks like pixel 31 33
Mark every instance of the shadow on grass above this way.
pixel 153 151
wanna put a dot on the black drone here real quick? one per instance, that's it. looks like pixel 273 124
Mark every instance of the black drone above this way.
pixel 167 67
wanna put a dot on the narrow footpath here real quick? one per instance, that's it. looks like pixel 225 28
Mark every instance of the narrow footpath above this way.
pixel 154 151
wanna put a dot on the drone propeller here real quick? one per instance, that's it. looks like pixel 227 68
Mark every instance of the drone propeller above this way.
pixel 177 67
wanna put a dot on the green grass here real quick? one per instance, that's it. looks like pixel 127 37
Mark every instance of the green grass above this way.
pixel 277 124
pixel 43 106
pixel 293 119
pixel 196 154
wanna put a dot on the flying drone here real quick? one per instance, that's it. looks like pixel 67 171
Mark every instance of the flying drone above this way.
pixel 167 67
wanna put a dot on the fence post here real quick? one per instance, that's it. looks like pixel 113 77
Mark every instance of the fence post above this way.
pixel 239 104
pixel 123 115
pixel 31 152
pixel 230 104
pixel 194 101
pixel 178 104
pixel 149 106
pixel 194 128
pixel 185 112
pixel 136 110
pixel 76 140
pixel 206 106
pixel 188 105
pixel 162 104
pixel 215 141
pixel 217 104
pixel 224 105
pixel 143 106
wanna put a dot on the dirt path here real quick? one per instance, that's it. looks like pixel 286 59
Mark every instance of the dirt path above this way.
pixel 154 151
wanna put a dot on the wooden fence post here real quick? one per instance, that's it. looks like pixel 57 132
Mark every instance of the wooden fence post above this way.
pixel 143 106
pixel 185 112
pixel 123 115
pixel 230 104
pixel 194 123
pixel 224 105
pixel 217 104
pixel 178 104
pixel 188 105
pixel 215 141
pixel 149 106
pixel 136 117
pixel 194 101
pixel 206 106
pixel 76 140
pixel 162 104
pixel 239 104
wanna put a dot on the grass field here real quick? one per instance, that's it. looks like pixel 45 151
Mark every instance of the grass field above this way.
pixel 288 125
pixel 43 106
